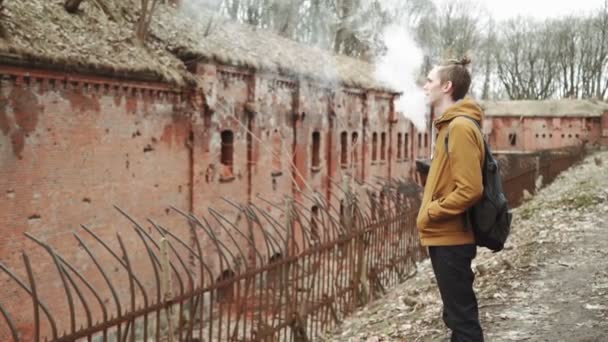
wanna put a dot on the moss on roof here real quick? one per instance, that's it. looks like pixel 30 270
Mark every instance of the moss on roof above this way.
pixel 546 108
pixel 43 32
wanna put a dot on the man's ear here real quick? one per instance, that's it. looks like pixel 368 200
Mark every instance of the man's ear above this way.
pixel 447 87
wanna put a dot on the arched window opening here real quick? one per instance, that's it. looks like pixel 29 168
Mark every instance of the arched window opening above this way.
pixel 316 149
pixel 374 146
pixel 227 151
pixel 399 146
pixel 344 148
pixel 225 293
pixel 512 139
pixel 406 145
pixel 383 146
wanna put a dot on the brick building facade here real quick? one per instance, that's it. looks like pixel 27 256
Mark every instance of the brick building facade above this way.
pixel 78 138
pixel 542 125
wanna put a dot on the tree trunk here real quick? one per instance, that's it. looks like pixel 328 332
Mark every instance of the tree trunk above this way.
pixel 142 27
pixel 71 5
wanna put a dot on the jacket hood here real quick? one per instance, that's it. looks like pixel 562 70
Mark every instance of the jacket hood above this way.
pixel 465 107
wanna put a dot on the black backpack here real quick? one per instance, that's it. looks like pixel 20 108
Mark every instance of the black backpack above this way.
pixel 490 217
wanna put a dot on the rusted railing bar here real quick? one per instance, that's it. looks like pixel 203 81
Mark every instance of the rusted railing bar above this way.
pixel 34 295
pixel 219 218
pixel 60 262
pixel 273 223
pixel 191 287
pixel 250 239
pixel 11 325
pixel 206 227
pixel 315 307
pixel 203 266
pixel 108 282
pixel 194 300
pixel 116 257
pixel 155 266
pixel 143 234
pixel 131 286
pixel 104 311
pixel 253 221
pixel 68 293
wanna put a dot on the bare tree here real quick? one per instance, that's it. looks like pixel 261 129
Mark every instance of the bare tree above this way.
pixel 526 64
pixel 487 48
pixel 142 26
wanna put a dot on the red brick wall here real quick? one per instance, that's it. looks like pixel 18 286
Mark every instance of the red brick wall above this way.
pixel 541 133
pixel 604 128
pixel 69 151
pixel 72 147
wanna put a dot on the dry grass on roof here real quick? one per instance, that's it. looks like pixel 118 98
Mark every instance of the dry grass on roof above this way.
pixel 43 31
pixel 548 108
pixel 215 38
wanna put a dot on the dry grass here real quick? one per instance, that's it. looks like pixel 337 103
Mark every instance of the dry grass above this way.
pixel 101 37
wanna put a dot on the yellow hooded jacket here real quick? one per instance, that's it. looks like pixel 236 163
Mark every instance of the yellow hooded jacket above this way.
pixel 454 182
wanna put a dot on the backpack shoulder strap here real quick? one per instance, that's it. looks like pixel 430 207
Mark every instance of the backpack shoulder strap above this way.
pixel 485 145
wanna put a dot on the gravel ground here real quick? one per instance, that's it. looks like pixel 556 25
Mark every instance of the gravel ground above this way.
pixel 549 284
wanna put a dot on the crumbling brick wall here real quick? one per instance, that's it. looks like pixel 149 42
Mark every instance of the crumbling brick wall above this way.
pixel 71 148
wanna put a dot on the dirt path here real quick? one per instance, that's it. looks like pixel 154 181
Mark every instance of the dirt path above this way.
pixel 550 284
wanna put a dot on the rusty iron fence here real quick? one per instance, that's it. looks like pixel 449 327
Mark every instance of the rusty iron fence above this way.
pixel 289 280
pixel 300 278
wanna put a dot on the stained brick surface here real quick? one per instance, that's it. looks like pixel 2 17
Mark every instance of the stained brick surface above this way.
pixel 72 148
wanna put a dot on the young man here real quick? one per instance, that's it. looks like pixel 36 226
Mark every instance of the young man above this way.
pixel 454 184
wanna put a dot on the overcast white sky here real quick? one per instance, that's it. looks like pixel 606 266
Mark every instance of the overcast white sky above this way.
pixel 504 9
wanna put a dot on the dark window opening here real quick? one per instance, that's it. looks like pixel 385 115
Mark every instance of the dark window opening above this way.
pixel 569 135
pixel 316 148
pixel 227 149
pixel 406 144
pixel 550 135
pixel 543 136
pixel 225 293
pixel 274 273
pixel 383 146
pixel 537 135
pixel 576 135
pixel 512 139
pixel 563 135
pixel 342 220
pixel 419 140
pixel 344 148
pixel 374 146
pixel 426 140
pixel 353 142
pixel 399 145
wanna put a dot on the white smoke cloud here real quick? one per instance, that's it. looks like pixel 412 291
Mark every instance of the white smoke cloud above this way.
pixel 399 68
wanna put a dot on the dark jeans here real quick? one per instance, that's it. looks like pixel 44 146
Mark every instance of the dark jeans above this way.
pixel 452 267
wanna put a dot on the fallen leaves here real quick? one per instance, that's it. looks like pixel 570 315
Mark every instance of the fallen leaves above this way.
pixel 548 279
